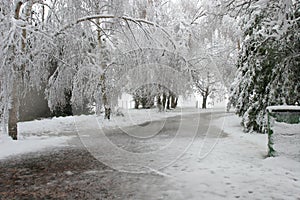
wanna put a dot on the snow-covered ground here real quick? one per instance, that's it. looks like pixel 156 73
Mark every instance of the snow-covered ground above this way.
pixel 231 167
pixel 55 132
pixel 29 144
pixel 236 168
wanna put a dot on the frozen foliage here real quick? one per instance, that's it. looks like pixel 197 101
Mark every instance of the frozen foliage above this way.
pixel 75 51
pixel 23 51
pixel 206 38
pixel 64 47
pixel 268 65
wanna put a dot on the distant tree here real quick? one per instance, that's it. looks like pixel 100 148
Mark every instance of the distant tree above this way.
pixel 205 84
pixel 145 96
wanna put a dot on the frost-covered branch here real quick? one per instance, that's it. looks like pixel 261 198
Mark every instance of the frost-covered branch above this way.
pixel 139 22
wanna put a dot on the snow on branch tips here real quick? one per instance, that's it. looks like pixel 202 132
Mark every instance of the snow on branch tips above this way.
pixel 136 21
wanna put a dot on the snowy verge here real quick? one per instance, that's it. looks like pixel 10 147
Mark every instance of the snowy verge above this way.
pixel 287 144
pixel 236 168
pixel 133 117
pixel 40 134
pixel 231 125
pixel 11 147
pixel 66 125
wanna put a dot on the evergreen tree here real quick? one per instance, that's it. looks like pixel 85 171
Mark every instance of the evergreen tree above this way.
pixel 269 62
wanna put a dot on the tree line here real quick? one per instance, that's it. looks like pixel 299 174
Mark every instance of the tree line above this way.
pixel 72 51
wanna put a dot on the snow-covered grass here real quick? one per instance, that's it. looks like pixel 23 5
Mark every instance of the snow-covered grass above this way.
pixel 40 134
pixel 11 147
pixel 46 127
pixel 236 168
pixel 59 125
pixel 134 117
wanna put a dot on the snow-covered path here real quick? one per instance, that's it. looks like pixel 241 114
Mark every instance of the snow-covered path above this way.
pixel 196 156
pixel 236 169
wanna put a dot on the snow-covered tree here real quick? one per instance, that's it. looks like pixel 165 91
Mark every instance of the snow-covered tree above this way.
pixel 268 65
pixel 70 50
pixel 21 54
pixel 204 34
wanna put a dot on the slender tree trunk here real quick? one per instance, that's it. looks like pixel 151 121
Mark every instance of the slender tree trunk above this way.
pixel 107 109
pixel 158 99
pixel 14 110
pixel 168 102
pixel 204 101
pixel 164 101
pixel 173 101
pixel 238 44
pixel 136 102
pixel 159 106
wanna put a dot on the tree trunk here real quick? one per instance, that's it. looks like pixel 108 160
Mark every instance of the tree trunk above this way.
pixel 159 106
pixel 107 113
pixel 136 102
pixel 168 102
pixel 14 110
pixel 164 101
pixel 158 100
pixel 174 100
pixel 204 101
pixel 107 109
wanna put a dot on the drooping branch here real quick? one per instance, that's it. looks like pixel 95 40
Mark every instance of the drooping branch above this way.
pixel 200 13
pixel 139 22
